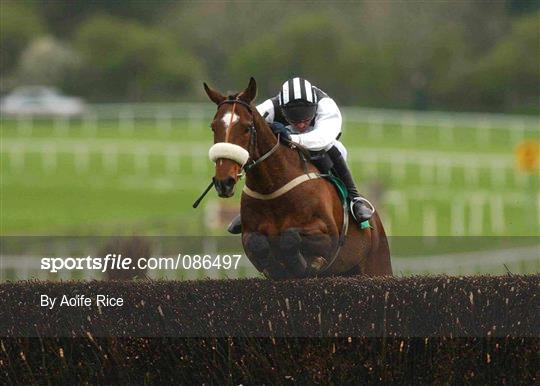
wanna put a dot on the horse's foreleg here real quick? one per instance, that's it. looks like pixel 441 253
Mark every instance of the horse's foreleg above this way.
pixel 290 252
pixel 258 250
pixel 318 244
pixel 318 248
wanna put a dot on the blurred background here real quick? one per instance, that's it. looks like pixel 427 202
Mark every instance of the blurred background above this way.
pixel 104 121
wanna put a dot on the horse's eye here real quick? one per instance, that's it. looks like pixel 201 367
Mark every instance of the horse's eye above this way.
pixel 212 128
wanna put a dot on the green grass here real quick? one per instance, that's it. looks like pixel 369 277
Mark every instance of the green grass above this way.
pixel 127 199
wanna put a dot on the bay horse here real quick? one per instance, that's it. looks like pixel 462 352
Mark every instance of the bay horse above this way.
pixel 292 219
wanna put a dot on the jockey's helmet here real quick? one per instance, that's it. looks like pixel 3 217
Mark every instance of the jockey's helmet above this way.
pixel 297 100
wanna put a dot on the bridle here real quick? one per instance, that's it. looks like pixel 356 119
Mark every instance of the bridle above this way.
pixel 251 163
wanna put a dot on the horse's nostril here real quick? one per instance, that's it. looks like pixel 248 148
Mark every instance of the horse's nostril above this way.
pixel 229 182
pixel 225 186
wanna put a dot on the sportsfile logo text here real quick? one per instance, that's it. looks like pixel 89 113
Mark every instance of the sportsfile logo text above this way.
pixel 113 261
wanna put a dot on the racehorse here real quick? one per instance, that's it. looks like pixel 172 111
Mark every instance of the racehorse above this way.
pixel 294 223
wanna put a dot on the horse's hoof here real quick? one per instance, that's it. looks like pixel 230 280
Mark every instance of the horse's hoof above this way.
pixel 274 273
pixel 298 265
pixel 318 263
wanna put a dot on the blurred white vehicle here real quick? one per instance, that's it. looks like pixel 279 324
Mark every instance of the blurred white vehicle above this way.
pixel 40 100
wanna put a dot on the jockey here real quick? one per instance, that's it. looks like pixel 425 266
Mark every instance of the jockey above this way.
pixel 304 114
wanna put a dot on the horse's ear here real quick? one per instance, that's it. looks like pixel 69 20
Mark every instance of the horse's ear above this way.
pixel 249 94
pixel 214 95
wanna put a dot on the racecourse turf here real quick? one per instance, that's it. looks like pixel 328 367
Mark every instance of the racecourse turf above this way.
pixel 47 193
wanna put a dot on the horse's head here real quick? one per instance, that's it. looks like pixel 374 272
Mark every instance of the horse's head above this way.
pixel 234 132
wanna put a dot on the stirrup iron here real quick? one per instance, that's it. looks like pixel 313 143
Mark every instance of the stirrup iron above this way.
pixel 369 205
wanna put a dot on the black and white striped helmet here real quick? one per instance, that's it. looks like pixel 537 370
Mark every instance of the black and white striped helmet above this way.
pixel 298 100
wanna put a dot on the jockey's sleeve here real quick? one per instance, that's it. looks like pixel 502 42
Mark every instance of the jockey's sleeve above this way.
pixel 327 127
pixel 267 107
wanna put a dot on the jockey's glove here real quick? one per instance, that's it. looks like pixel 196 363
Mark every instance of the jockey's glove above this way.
pixel 279 128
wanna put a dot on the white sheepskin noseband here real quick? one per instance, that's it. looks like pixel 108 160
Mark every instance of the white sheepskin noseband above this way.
pixel 228 151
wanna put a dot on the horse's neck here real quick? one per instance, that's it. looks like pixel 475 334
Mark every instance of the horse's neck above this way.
pixel 279 168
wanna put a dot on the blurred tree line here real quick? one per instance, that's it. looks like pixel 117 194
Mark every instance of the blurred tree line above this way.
pixel 463 55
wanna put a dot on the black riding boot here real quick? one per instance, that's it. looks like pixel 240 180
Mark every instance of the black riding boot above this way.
pixel 360 211
pixel 235 227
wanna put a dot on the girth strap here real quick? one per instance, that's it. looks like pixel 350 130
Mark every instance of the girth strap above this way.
pixel 284 189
